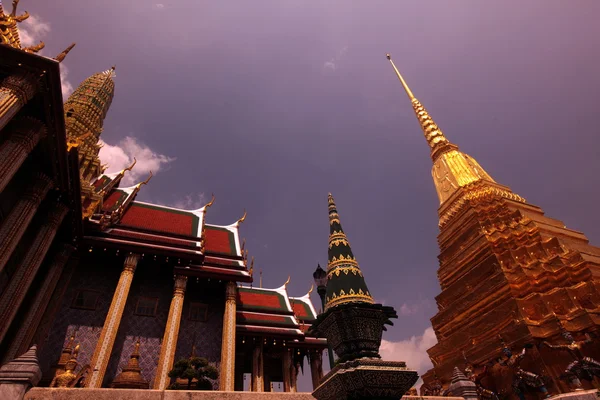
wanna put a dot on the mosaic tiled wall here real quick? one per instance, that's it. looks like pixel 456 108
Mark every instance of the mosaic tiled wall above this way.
pixel 101 276
pixel 149 281
pixel 206 335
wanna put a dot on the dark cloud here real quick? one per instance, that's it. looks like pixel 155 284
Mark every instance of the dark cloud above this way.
pixel 239 94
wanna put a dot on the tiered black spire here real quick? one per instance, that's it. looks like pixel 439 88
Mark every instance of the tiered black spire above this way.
pixel 345 279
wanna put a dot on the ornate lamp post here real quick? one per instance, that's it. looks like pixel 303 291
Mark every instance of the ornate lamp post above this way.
pixel 320 277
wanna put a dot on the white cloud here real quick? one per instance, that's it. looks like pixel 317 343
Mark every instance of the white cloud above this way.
pixel 413 351
pixel 159 6
pixel 66 86
pixel 409 309
pixel 120 156
pixel 333 63
pixel 32 30
pixel 190 202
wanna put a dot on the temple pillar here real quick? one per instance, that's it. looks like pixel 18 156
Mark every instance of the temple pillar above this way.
pixel 169 342
pixel 287 367
pixel 25 272
pixel 29 323
pixel 24 134
pixel 294 377
pixel 15 91
pixel 258 380
pixel 227 378
pixel 18 219
pixel 316 367
pixel 111 324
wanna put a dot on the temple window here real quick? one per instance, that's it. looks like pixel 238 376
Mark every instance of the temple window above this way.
pixel 86 299
pixel 146 306
pixel 198 312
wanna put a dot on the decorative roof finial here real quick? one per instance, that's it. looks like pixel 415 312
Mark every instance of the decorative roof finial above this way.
pixel 211 202
pixel 132 165
pixel 251 271
pixel 146 181
pixel 260 279
pixel 35 48
pixel 433 134
pixel 239 221
pixel 287 282
pixel 64 53
pixel 312 287
pixel 15 3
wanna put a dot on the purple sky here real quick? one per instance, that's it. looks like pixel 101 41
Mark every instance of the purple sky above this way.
pixel 273 104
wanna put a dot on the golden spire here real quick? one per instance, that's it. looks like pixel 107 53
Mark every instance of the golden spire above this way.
pixel 452 169
pixel 433 134
pixel 64 53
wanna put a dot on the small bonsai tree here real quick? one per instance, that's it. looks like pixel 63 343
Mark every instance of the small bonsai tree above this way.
pixel 194 368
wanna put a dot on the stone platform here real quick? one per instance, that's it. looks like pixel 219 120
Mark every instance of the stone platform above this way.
pixel 138 394
pixel 578 395
pixel 145 394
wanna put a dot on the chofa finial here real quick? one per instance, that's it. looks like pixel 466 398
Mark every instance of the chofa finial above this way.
pixel 239 221
pixel 146 181
pixel 211 202
pixel 64 53
pixel 132 165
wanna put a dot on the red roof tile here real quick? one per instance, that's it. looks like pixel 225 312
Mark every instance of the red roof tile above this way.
pixel 219 240
pixel 262 300
pixel 161 219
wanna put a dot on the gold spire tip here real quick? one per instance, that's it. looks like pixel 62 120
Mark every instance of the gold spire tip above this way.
pixel 402 81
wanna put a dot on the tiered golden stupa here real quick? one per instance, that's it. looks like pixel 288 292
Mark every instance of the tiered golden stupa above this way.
pixel 85 111
pixel 507 272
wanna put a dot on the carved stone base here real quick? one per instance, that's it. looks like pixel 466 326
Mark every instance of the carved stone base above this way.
pixel 366 378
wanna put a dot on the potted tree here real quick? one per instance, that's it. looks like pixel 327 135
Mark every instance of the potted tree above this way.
pixel 196 371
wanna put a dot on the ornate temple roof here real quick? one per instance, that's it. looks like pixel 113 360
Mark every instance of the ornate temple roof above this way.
pixel 303 308
pixel 272 313
pixel 345 280
pixel 274 301
pixel 161 219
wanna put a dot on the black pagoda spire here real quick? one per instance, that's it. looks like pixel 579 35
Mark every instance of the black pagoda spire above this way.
pixel 345 279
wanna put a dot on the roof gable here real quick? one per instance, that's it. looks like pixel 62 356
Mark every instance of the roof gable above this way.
pixel 163 219
pixel 221 240
pixel 273 300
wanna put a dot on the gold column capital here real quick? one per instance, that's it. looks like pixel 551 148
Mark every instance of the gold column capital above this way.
pixel 230 291
pixel 131 262
pixel 180 285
